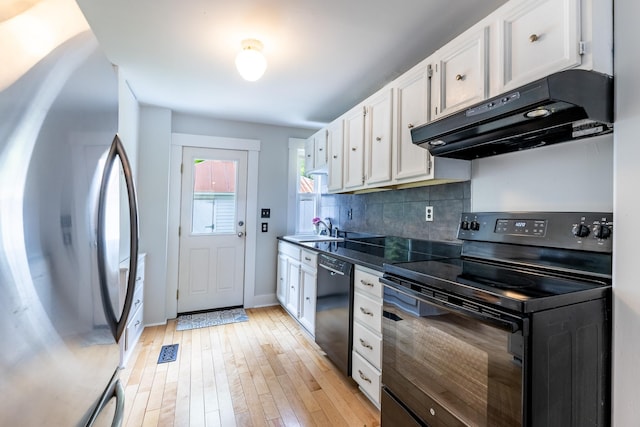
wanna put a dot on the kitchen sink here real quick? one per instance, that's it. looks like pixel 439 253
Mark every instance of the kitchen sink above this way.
pixel 312 238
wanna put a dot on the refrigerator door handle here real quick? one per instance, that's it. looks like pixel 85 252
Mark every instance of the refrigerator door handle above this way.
pixel 117 324
pixel 116 391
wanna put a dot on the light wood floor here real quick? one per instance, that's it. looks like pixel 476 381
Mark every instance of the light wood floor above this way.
pixel 264 372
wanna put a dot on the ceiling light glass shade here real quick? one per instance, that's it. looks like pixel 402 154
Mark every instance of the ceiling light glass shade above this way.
pixel 250 62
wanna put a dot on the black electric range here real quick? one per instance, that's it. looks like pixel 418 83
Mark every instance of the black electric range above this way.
pixel 516 331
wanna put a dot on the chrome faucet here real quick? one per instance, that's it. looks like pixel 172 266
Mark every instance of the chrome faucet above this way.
pixel 327 225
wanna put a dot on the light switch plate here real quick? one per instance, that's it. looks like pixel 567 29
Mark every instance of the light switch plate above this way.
pixel 265 213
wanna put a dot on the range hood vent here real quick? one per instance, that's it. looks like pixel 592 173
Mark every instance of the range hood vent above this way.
pixel 561 107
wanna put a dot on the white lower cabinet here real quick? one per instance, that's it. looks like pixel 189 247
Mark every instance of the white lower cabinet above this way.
pixel 135 323
pixel 307 310
pixel 296 286
pixel 366 368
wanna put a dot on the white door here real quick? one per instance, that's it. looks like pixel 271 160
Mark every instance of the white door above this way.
pixel 212 227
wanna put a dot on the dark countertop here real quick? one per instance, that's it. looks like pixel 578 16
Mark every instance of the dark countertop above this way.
pixel 373 252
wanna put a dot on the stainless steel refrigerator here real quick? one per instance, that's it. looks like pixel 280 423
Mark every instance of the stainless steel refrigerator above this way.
pixel 68 219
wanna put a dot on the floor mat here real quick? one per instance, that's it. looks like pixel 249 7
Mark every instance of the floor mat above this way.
pixel 168 353
pixel 211 318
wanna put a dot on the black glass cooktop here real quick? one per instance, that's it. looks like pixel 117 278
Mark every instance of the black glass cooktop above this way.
pixel 503 286
pixel 375 251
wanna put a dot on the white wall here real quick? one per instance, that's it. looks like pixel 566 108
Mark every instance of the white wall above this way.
pixel 156 126
pixel 153 202
pixel 626 289
pixel 571 176
pixel 272 177
pixel 128 121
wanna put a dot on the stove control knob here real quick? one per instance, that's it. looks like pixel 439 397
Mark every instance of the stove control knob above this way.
pixel 464 225
pixel 601 231
pixel 475 225
pixel 580 230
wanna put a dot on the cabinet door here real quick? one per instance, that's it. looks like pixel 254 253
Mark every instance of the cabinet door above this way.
pixel 281 285
pixel 354 149
pixel 411 109
pixel 460 73
pixel 308 303
pixel 320 149
pixel 309 154
pixel 378 138
pixel 336 155
pixel 537 39
pixel 293 289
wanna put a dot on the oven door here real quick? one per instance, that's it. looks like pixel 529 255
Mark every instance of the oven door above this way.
pixel 447 362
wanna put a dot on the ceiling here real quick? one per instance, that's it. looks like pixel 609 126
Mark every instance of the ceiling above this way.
pixel 323 56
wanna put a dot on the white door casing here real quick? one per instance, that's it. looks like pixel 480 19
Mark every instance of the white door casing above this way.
pixel 213 226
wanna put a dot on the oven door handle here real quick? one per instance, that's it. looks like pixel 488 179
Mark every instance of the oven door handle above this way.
pixel 512 324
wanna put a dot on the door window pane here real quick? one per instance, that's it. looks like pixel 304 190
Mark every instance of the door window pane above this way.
pixel 214 197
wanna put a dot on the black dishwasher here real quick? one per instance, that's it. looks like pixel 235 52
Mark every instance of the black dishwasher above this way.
pixel 334 312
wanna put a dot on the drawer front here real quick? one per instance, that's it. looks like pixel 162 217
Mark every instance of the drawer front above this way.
pixel 138 298
pixel 289 250
pixel 368 312
pixel 367 377
pixel 366 280
pixel 134 329
pixel 140 270
pixel 367 344
pixel 310 258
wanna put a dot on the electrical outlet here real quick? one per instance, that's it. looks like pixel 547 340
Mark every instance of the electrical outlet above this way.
pixel 428 213
pixel 265 227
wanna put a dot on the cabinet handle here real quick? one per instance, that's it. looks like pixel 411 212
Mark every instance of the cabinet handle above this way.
pixel 138 278
pixel 378 138
pixel 308 298
pixel 365 344
pixel 319 149
pixel 364 377
pixel 534 38
pixel 335 156
pixel 366 312
pixel 292 287
pixel 137 302
pixel 307 258
pixel 366 283
pixel 410 125
pixel 309 155
pixel 459 77
pixel 137 323
pixel 353 148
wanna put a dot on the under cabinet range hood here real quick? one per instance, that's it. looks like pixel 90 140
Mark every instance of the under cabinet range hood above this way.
pixel 563 106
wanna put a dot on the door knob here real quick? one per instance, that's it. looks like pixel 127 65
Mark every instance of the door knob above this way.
pixel 240 234
pixel 240 223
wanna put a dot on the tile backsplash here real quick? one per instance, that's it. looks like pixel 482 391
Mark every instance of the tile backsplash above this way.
pixel 401 212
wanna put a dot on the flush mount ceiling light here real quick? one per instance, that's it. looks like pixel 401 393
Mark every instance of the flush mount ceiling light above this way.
pixel 250 62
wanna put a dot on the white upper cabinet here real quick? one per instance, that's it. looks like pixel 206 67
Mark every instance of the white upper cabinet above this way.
pixel 535 39
pixel 309 154
pixel 320 149
pixel 315 149
pixel 378 138
pixel 520 42
pixel 335 163
pixel 460 72
pixel 354 148
pixel 411 110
